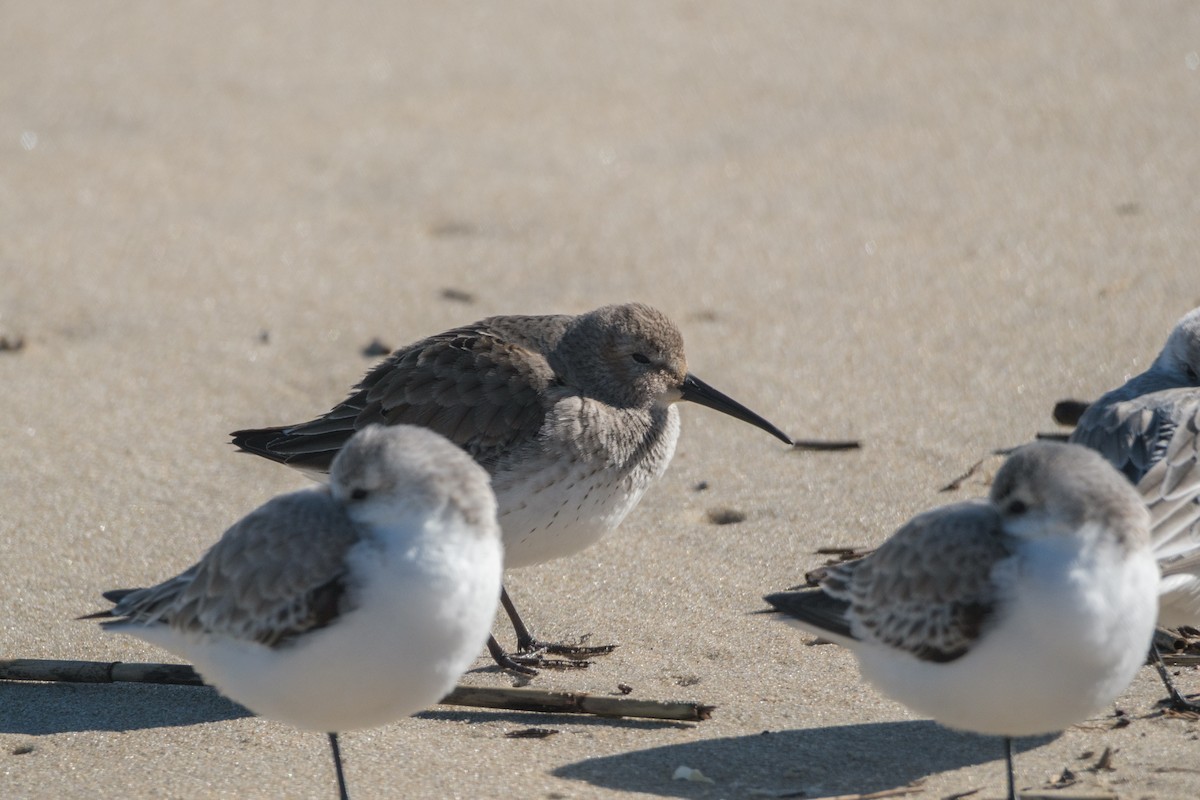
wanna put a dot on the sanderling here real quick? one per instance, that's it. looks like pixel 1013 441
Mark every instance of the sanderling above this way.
pixel 1154 418
pixel 1132 425
pixel 1014 616
pixel 340 607
pixel 573 417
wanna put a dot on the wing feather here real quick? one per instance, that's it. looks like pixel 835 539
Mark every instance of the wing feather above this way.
pixel 929 589
pixel 478 386
pixel 277 573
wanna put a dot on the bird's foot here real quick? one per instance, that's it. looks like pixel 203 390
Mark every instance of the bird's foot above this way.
pixel 575 652
pixel 538 659
pixel 525 662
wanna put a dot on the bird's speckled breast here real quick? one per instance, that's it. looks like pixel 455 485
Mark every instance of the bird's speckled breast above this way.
pixel 588 469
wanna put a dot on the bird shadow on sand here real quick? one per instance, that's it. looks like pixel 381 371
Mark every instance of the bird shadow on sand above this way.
pixel 817 762
pixel 38 709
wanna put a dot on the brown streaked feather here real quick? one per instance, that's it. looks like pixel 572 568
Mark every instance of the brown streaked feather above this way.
pixel 481 386
pixel 929 588
pixel 254 584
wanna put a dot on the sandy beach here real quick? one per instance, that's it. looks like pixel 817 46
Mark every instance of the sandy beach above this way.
pixel 914 225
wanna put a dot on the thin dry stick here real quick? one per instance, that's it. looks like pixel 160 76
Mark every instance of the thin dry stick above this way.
pixel 522 699
pixel 527 699
pixel 1181 661
pixel 826 444
pixel 957 483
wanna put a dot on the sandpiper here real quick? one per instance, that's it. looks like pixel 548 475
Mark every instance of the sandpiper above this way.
pixel 573 416
pixel 1152 418
pixel 1015 616
pixel 346 606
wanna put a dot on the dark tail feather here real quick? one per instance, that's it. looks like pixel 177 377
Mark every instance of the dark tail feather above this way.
pixel 258 441
pixel 294 448
pixel 814 607
pixel 99 615
pixel 113 596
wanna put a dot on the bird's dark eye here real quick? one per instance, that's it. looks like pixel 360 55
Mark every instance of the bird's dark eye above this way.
pixel 359 494
pixel 1017 507
pixel 641 358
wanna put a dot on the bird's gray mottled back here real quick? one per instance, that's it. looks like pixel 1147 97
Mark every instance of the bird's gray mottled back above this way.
pixel 1177 365
pixel 1180 356
pixel 1135 425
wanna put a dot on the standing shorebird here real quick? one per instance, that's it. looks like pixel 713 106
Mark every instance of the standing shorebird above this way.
pixel 1016 616
pixel 1154 417
pixel 340 607
pixel 572 416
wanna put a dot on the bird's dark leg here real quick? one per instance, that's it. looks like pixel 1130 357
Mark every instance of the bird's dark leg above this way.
pixel 1176 700
pixel 527 644
pixel 506 661
pixel 1008 763
pixel 337 765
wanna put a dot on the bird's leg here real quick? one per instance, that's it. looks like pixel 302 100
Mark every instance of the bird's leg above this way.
pixel 1008 764
pixel 506 661
pixel 1174 699
pixel 337 765
pixel 527 644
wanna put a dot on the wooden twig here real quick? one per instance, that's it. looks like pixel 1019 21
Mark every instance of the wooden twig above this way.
pixel 826 444
pixel 515 699
pixel 62 671
pixel 529 699
pixel 1181 661
pixel 955 484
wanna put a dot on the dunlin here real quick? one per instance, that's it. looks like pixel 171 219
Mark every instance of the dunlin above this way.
pixel 573 416
pixel 1153 419
pixel 345 606
pixel 1015 616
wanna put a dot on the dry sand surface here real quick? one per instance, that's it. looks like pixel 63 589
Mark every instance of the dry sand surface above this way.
pixel 915 225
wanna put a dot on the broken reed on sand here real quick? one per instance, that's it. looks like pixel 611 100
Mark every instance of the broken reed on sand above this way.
pixel 515 699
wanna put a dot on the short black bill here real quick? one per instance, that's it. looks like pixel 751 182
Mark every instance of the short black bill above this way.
pixel 697 391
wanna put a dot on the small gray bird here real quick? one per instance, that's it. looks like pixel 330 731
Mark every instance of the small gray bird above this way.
pixel 572 416
pixel 340 607
pixel 1016 616
pixel 1154 419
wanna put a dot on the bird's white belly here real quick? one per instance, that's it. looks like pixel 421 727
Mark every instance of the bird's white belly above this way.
pixel 419 624
pixel 1060 654
pixel 564 509
pixel 555 507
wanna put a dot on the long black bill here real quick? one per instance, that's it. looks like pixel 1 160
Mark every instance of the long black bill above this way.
pixel 697 391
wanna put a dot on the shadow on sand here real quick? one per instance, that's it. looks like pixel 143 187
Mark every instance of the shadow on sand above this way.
pixel 37 709
pixel 809 763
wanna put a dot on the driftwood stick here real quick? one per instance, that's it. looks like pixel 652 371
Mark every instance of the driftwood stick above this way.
pixel 826 444
pixel 62 671
pixel 520 699
pixel 529 699
pixel 1181 661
